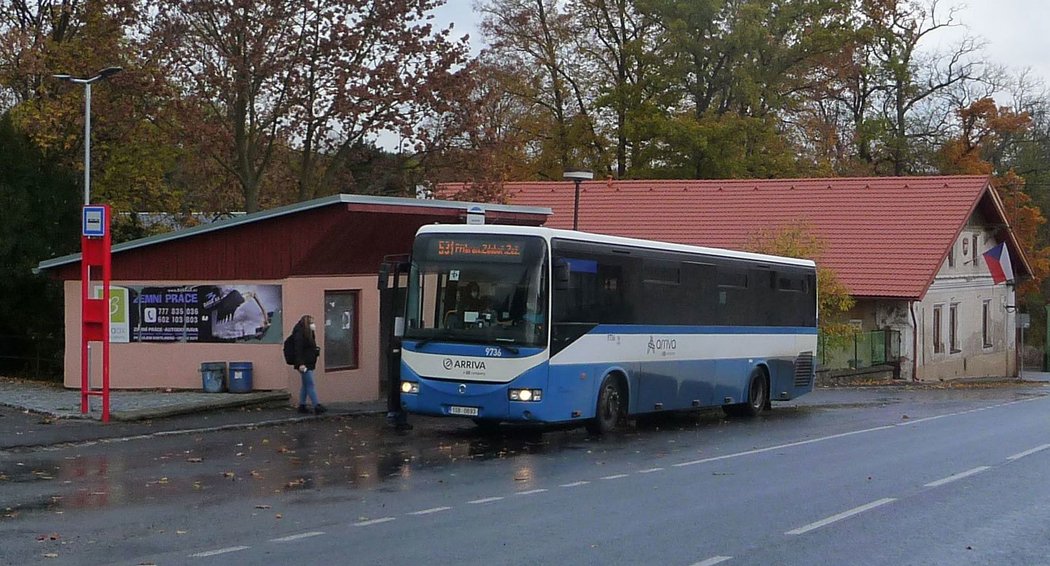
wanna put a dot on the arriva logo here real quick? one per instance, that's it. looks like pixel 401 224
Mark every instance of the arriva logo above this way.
pixel 449 363
pixel 661 345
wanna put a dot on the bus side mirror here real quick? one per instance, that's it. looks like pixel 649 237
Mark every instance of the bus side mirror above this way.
pixel 384 275
pixel 561 275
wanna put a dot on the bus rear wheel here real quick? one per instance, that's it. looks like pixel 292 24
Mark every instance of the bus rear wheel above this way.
pixel 757 397
pixel 609 413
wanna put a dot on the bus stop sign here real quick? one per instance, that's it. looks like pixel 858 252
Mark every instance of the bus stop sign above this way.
pixel 94 221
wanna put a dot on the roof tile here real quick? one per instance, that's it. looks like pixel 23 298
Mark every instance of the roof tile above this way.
pixel 885 236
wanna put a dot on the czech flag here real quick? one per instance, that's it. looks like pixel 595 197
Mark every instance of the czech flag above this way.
pixel 998 260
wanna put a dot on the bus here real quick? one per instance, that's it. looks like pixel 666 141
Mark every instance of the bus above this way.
pixel 532 324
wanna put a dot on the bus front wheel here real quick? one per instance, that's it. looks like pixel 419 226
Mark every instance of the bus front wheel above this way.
pixel 757 397
pixel 610 410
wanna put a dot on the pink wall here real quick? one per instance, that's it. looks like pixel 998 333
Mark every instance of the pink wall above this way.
pixel 305 295
pixel 177 365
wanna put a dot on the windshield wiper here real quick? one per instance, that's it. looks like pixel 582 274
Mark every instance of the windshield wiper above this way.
pixel 511 349
pixel 420 342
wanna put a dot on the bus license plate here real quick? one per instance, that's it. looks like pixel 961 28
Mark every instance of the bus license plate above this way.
pixel 465 411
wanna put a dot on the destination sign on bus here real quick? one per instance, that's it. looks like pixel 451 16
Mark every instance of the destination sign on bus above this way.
pixel 458 248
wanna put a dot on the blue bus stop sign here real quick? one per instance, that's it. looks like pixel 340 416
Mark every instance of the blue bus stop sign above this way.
pixel 95 221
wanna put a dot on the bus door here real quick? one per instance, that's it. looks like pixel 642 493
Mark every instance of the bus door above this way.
pixel 392 284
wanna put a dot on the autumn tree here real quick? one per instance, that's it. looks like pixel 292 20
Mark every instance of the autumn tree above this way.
pixel 482 137
pixel 739 67
pixel 319 79
pixel 382 75
pixel 535 39
pixel 988 137
pixel 131 156
pixel 891 94
pixel 619 45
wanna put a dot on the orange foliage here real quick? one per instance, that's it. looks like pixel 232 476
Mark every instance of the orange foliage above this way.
pixel 984 128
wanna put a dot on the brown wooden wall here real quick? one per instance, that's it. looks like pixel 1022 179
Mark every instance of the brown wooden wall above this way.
pixel 340 239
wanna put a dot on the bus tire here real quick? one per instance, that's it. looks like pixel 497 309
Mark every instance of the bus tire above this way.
pixel 610 410
pixel 757 397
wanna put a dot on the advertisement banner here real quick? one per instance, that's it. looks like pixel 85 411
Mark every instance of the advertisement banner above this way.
pixel 118 312
pixel 196 313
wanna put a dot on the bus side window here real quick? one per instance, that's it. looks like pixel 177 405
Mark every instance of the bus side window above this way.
pixel 700 293
pixel 610 305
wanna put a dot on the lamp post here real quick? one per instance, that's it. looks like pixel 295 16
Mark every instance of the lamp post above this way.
pixel 104 73
pixel 577 176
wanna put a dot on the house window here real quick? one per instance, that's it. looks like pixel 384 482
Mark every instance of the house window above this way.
pixel 953 327
pixel 938 341
pixel 975 255
pixel 951 255
pixel 986 323
pixel 340 330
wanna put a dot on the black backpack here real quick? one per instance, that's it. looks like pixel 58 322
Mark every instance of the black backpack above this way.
pixel 289 350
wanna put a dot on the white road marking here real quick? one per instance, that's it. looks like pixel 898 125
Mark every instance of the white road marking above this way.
pixel 713 560
pixel 927 419
pixel 429 511
pixel 840 516
pixel 301 536
pixel 575 484
pixel 373 522
pixel 958 476
pixel 650 470
pixel 219 551
pixel 614 477
pixel 780 446
pixel 530 492
pixel 485 500
pixel 1028 452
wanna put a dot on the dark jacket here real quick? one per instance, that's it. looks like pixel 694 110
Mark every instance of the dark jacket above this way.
pixel 306 350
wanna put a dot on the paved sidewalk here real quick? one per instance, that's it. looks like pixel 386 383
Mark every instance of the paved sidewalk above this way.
pixel 58 402
pixel 35 414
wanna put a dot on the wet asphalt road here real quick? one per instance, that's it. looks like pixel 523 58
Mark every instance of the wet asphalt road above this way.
pixel 843 476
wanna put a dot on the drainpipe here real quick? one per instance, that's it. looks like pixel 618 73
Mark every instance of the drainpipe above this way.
pixel 914 343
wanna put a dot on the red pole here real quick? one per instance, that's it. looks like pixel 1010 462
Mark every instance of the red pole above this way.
pixel 95 312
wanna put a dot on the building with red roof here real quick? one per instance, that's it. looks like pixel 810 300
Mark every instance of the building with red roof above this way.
pixel 907 248
pixel 230 291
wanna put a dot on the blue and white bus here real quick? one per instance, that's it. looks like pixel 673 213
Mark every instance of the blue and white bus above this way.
pixel 526 324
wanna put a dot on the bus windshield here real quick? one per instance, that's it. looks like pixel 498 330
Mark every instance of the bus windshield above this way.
pixel 478 288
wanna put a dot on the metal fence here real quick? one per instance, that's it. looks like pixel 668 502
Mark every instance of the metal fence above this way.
pixel 861 350
pixel 22 356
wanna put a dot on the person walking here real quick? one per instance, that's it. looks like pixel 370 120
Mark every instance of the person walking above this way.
pixel 305 352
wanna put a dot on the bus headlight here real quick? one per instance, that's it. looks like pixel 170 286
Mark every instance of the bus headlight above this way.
pixel 526 395
pixel 409 387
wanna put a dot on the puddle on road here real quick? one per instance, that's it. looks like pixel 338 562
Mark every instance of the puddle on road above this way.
pixel 359 453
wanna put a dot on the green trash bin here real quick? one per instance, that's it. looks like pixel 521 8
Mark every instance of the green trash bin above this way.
pixel 213 376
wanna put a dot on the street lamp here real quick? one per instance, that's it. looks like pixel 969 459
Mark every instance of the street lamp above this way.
pixel 104 73
pixel 577 176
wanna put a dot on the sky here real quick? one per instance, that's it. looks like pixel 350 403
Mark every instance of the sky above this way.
pixel 1016 32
